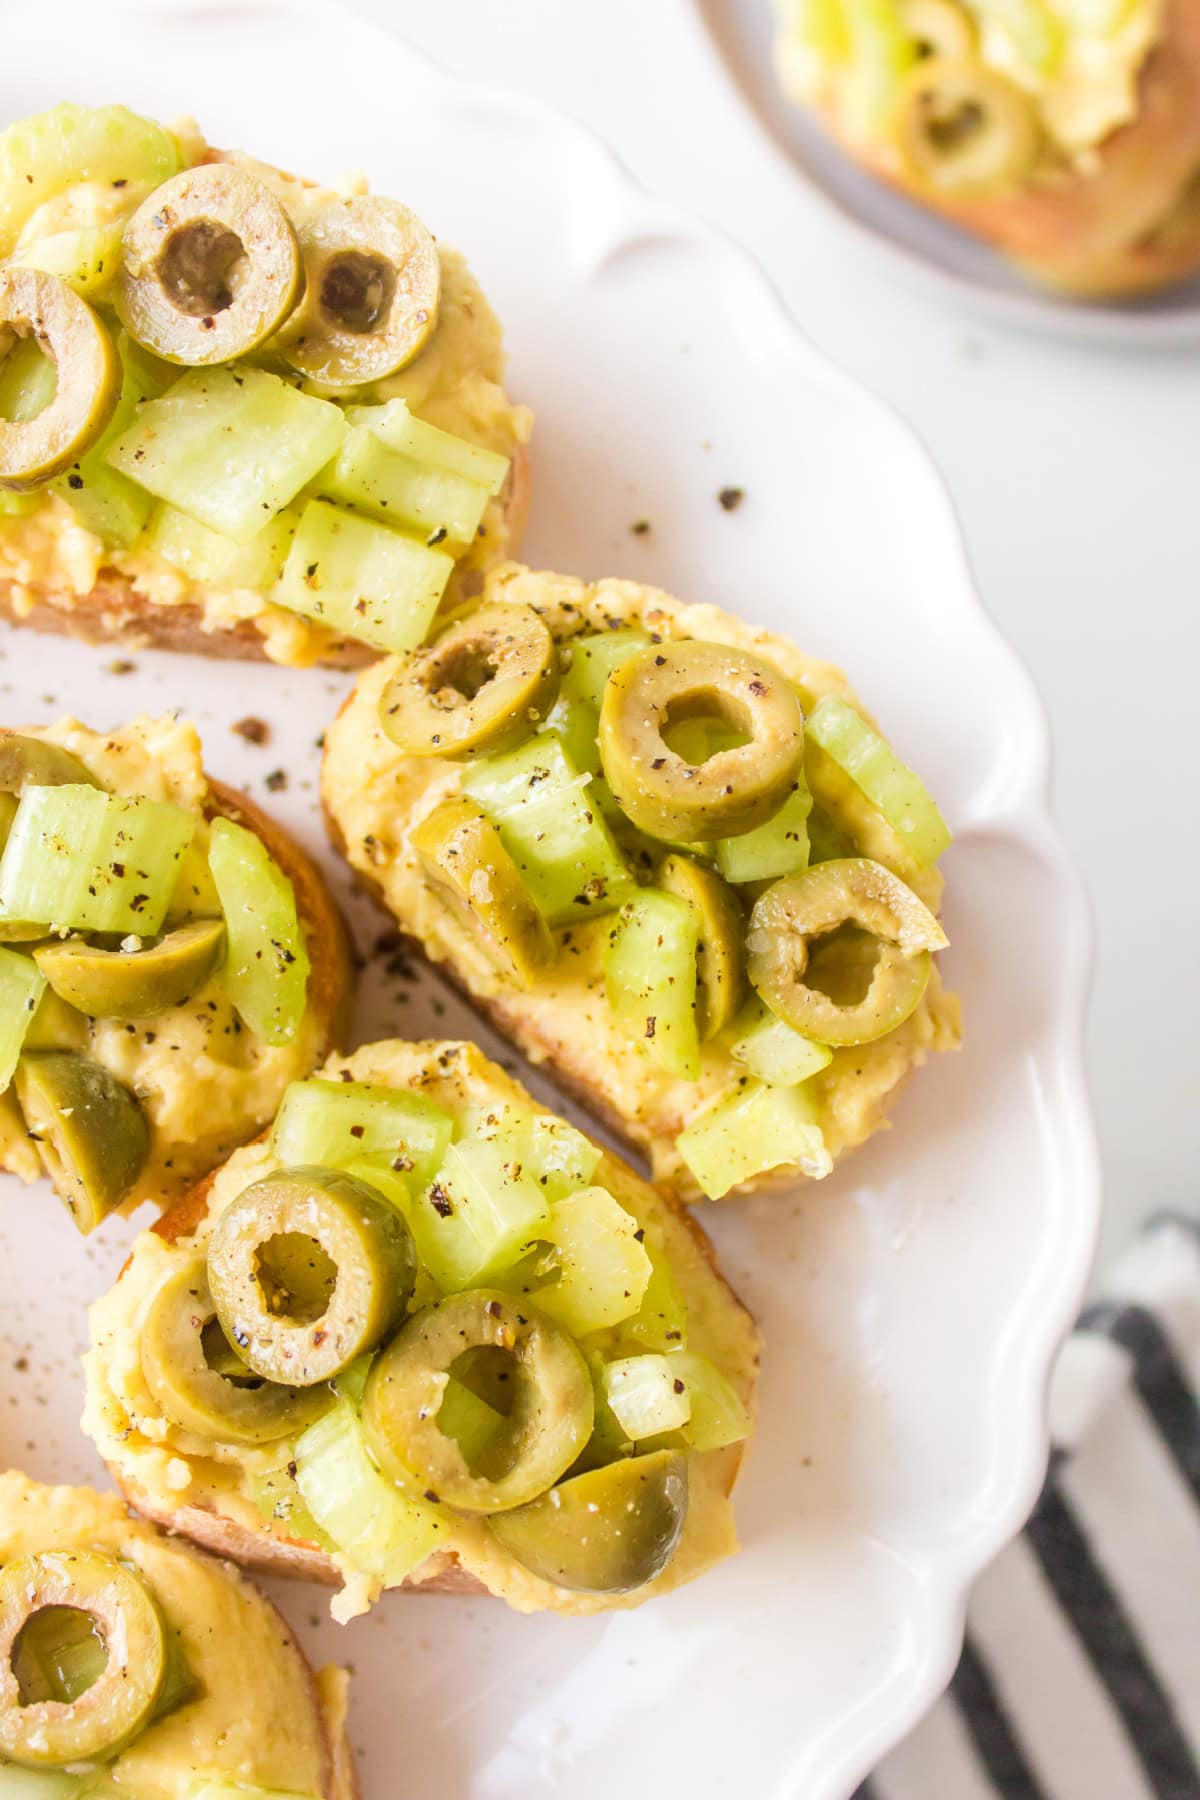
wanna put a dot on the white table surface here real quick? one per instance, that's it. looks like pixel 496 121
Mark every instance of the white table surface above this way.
pixel 1076 473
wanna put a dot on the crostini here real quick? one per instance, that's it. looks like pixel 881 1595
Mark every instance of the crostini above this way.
pixel 1067 136
pixel 239 413
pixel 170 960
pixel 134 1668
pixel 426 1335
pixel 669 856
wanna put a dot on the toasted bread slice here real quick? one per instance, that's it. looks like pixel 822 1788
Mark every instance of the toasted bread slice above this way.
pixel 198 1105
pixel 261 1715
pixel 202 1490
pixel 374 795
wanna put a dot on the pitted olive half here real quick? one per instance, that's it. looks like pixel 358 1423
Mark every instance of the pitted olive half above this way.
pixel 961 128
pixel 309 1269
pixel 133 984
pixel 372 288
pixel 734 789
pixel 608 1531
pixel 720 972
pixel 210 267
pixel 891 964
pixel 537 1368
pixel 35 762
pixel 91 1134
pixel 484 685
pixel 185 1360
pixel 465 863
pixel 89 377
pixel 44 1596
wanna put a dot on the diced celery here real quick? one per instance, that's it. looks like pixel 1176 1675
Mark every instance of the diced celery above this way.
pixel 42 156
pixel 81 858
pixel 58 1656
pixel 603 1270
pixel 101 498
pixel 371 477
pixel 646 1396
pixel 819 25
pixel 542 808
pixel 481 1212
pixel 470 1421
pixel 361 579
pixel 1034 29
pixel 827 841
pixel 778 847
pixel 86 259
pixel 881 54
pixel 892 787
pixel 215 560
pixel 650 977
pixel 28 381
pixel 334 1124
pixel 383 1533
pixel 22 985
pixel 351 1383
pixel 577 727
pixel 750 1131
pixel 770 1049
pixel 660 1322
pixel 229 446
pixel 266 967
pixel 17 506
pixel 718 1416
pixel 231 1790
pixel 42 1784
pixel 594 657
pixel 277 1497
pixel 551 1152
pixel 395 426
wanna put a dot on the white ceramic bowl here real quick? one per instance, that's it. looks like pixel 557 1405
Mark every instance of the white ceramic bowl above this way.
pixel 912 1303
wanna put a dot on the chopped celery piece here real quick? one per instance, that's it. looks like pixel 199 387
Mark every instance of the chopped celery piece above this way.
pixel 881 54
pixel 778 847
pixel 382 1533
pixel 101 498
pixel 750 1131
pixel 869 761
pixel 265 972
pixel 78 857
pixel 361 579
pixel 87 259
pixel 435 503
pixel 650 977
pixel 42 156
pixel 660 1323
pixel 333 1124
pixel 234 1790
pixel 28 382
pixel 277 1497
pixel 646 1396
pixel 818 25
pixel 603 1270
pixel 770 1049
pixel 593 659
pixel 1035 31
pixel 551 1152
pixel 827 842
pixel 229 446
pixel 577 727
pixel 470 1421
pixel 17 506
pixel 482 1210
pixel 718 1416
pixel 215 560
pixel 395 426
pixel 41 1784
pixel 542 808
pixel 22 985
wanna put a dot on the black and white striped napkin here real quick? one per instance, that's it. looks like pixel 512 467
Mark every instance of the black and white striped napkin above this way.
pixel 1080 1675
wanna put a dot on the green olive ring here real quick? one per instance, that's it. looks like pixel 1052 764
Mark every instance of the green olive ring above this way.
pixel 191 1393
pixel 210 267
pixel 120 1702
pixel 734 790
pixel 321 1219
pixel 961 128
pixel 801 908
pixel 484 685
pixel 720 959
pixel 372 290
pixel 89 377
pixel 466 865
pixel 548 1424
pixel 133 984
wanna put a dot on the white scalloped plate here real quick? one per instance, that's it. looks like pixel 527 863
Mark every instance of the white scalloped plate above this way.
pixel 916 241
pixel 912 1303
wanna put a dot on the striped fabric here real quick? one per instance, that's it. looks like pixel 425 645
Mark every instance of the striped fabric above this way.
pixel 1080 1675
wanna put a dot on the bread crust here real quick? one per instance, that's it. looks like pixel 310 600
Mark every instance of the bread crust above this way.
pixel 1127 223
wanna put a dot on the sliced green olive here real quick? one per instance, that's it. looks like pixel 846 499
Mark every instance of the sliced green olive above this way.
pixel 962 129
pixel 133 984
pixel 88 377
pixel 939 28
pixel 36 762
pixel 485 685
pixel 720 961
pixel 184 1353
pixel 873 981
pixel 523 1358
pixel 56 1026
pixel 210 266
pixel 91 1134
pixel 606 1532
pixel 42 1598
pixel 309 1269
pixel 372 288
pixel 736 788
pixel 465 863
